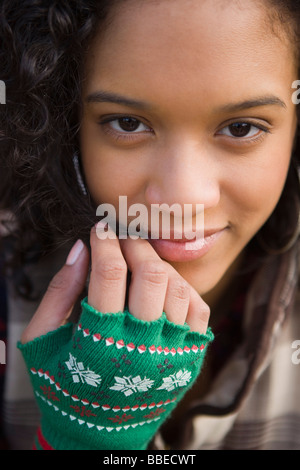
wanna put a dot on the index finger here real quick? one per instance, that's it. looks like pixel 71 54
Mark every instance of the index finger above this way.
pixel 107 286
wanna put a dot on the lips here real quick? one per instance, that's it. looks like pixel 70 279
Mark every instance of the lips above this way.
pixel 180 250
pixel 179 237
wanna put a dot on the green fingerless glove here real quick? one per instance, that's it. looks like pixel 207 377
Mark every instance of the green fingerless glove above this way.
pixel 111 382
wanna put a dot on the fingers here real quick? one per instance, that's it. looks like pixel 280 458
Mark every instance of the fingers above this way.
pixel 107 287
pixel 61 294
pixel 198 313
pixel 149 280
pixel 155 286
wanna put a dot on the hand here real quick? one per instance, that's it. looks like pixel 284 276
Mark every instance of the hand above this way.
pixel 155 287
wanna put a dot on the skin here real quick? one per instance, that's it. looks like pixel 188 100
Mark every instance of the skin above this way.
pixel 189 65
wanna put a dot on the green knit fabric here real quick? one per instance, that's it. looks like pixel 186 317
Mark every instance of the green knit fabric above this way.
pixel 112 380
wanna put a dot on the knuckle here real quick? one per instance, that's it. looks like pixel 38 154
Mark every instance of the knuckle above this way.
pixel 205 312
pixel 153 272
pixel 201 308
pixel 58 283
pixel 180 289
pixel 111 270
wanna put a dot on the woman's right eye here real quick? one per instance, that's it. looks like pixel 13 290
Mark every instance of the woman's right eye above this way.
pixel 126 124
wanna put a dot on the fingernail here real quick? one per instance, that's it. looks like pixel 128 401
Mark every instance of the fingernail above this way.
pixel 74 253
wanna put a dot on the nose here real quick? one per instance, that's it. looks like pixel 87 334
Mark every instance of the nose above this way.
pixel 184 173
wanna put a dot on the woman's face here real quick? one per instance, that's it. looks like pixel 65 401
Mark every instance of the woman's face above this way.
pixel 189 102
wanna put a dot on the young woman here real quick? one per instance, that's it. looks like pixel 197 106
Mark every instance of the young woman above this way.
pixel 182 102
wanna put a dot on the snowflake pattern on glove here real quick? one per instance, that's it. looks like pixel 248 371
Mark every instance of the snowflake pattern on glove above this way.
pixel 180 379
pixel 79 373
pixel 129 385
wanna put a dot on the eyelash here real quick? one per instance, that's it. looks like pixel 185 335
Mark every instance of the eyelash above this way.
pixel 124 136
pixel 132 136
pixel 247 140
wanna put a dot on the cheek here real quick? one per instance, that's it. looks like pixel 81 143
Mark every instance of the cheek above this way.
pixel 106 182
pixel 254 191
pixel 108 174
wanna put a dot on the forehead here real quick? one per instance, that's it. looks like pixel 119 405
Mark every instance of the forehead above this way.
pixel 189 44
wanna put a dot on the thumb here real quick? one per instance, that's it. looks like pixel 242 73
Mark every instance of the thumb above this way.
pixel 61 295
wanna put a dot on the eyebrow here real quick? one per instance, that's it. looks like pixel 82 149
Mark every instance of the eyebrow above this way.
pixel 254 103
pixel 109 97
pixel 102 96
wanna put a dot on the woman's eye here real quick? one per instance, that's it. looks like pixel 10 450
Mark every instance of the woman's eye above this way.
pixel 128 124
pixel 241 129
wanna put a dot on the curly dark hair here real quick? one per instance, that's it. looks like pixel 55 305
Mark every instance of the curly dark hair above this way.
pixel 42 47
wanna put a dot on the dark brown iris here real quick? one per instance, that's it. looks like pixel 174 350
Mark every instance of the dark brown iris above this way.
pixel 128 124
pixel 240 129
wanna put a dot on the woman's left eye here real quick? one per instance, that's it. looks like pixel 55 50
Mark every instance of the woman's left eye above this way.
pixel 239 130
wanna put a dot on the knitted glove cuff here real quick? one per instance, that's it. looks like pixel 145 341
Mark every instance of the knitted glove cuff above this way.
pixel 97 383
